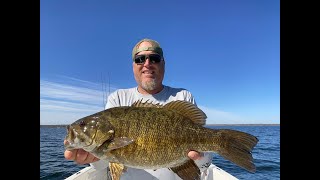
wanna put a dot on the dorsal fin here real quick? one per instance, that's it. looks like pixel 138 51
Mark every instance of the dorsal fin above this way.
pixel 139 103
pixel 189 110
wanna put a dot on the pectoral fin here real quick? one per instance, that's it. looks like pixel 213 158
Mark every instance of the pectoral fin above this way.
pixel 187 171
pixel 116 170
pixel 119 142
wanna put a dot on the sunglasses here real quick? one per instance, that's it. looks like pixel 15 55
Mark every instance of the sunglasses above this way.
pixel 153 58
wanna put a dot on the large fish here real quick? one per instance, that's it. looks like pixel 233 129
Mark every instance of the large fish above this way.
pixel 152 136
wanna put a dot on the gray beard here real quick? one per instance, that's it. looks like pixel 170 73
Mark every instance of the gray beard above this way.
pixel 149 85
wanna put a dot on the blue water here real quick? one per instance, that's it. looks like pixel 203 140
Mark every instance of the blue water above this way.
pixel 266 154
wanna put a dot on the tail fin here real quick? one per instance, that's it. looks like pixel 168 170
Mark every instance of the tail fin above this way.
pixel 237 147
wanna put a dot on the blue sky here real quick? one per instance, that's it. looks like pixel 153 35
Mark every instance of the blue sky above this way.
pixel 226 52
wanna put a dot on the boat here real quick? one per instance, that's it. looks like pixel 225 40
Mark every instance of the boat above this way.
pixel 94 172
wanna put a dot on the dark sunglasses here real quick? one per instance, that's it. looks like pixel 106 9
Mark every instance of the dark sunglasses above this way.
pixel 153 58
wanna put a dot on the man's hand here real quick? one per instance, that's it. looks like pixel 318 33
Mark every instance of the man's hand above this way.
pixel 80 156
pixel 194 155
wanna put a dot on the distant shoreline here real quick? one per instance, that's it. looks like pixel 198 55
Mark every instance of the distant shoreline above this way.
pixel 242 124
pixel 64 126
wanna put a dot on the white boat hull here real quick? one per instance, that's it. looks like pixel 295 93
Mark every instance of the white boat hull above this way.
pixel 90 173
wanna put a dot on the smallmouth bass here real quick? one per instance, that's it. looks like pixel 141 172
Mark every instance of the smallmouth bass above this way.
pixel 153 136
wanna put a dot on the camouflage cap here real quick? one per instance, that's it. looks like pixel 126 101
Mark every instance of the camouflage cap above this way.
pixel 155 47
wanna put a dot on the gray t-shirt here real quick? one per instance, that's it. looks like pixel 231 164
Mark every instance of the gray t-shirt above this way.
pixel 126 97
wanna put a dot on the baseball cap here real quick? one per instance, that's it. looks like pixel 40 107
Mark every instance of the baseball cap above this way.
pixel 155 47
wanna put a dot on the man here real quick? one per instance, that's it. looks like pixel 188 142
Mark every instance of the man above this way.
pixel 148 69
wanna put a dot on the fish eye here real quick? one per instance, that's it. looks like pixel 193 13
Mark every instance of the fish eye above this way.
pixel 82 123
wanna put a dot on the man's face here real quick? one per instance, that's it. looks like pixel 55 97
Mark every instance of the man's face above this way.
pixel 148 75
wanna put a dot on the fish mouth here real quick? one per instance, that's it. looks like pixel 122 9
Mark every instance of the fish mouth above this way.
pixel 68 146
pixel 72 139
